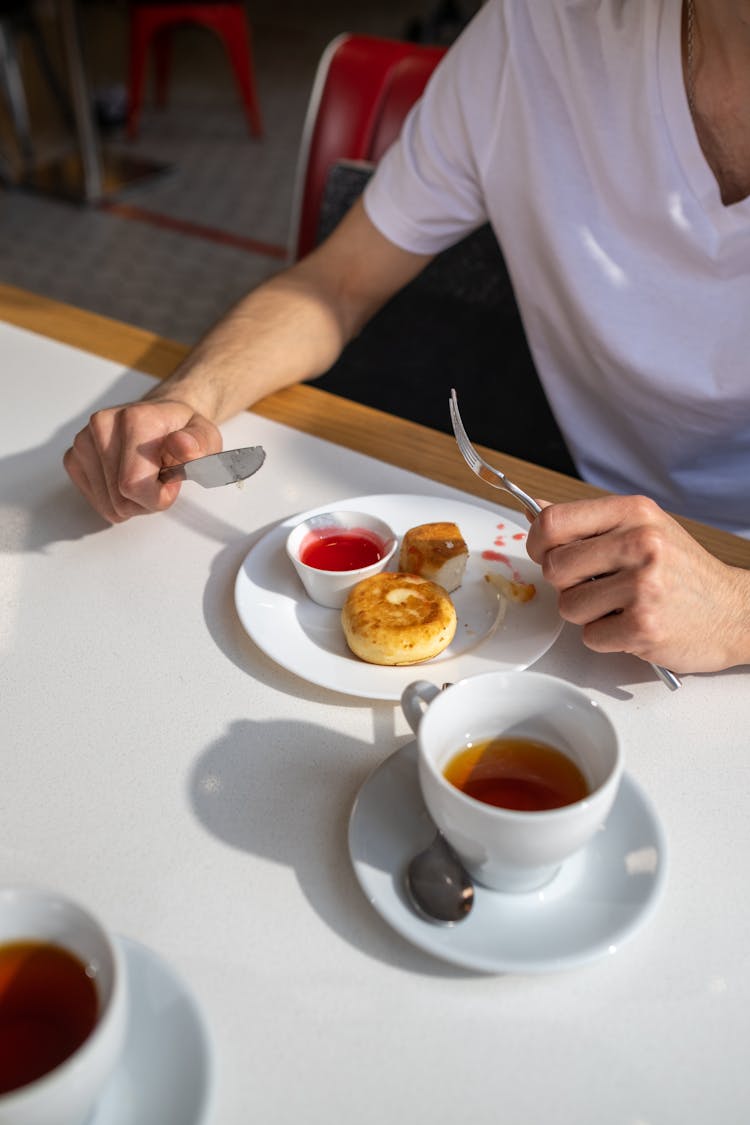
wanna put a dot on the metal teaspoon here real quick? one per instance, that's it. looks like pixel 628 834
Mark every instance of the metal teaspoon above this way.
pixel 437 884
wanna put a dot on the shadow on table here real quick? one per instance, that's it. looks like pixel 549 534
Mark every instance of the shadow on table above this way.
pixel 242 789
pixel 39 503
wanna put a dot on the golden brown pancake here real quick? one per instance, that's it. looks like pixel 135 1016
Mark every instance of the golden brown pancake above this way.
pixel 398 619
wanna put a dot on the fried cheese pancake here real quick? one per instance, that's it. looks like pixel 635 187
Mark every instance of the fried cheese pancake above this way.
pixel 398 619
pixel 436 551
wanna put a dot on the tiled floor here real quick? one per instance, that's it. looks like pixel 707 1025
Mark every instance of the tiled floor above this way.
pixel 174 282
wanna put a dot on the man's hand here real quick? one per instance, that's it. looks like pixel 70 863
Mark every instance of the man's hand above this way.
pixel 656 592
pixel 115 460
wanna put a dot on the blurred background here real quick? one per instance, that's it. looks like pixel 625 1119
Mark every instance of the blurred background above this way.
pixel 209 216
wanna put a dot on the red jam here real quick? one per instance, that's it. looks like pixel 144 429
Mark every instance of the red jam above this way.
pixel 334 548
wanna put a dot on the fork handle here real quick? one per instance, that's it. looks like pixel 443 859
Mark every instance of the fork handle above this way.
pixel 530 505
pixel 672 681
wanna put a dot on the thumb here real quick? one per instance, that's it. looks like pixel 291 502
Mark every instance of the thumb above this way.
pixel 197 439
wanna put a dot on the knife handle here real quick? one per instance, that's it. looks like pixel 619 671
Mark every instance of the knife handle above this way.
pixel 172 472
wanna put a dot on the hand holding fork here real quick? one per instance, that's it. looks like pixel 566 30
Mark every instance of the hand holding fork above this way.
pixel 497 479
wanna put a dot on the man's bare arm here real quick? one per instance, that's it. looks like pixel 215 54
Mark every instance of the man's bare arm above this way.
pixel 292 327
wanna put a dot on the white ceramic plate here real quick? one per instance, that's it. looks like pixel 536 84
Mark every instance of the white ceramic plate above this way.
pixel 492 633
pixel 165 1073
pixel 598 899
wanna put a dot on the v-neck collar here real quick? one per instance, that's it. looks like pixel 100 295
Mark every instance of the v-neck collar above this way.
pixel 679 120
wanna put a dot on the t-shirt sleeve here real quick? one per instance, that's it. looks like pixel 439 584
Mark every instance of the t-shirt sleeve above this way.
pixel 427 193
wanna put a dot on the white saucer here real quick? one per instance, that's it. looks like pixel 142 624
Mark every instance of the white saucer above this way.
pixel 307 639
pixel 165 1075
pixel 598 899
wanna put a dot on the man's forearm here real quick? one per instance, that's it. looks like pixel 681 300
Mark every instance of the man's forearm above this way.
pixel 283 332
pixel 294 326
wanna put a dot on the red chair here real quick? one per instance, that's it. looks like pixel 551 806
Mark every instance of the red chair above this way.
pixel 363 89
pixel 155 22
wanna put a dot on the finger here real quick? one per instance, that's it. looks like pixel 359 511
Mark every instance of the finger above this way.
pixel 77 474
pixel 607 634
pixel 560 524
pixel 592 600
pixel 142 443
pixel 102 463
pixel 627 549
pixel 638 634
pixel 83 464
pixel 198 438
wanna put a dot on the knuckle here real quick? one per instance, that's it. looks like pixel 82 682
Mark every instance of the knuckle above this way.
pixel 547 522
pixel 79 446
pixel 646 508
pixel 569 607
pixel 100 422
pixel 646 545
pixel 550 568
pixel 644 630
pixel 124 508
pixel 138 410
pixel 130 487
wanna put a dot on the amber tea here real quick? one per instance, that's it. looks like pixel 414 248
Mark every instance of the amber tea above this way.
pixel 48 1007
pixel 517 773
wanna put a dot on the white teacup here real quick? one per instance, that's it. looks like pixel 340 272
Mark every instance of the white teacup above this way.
pixel 67 1093
pixel 503 848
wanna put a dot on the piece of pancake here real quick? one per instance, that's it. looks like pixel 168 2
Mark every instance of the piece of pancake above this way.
pixel 513 590
pixel 398 619
pixel 436 551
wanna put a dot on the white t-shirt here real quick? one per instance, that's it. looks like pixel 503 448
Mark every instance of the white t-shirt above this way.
pixel 565 123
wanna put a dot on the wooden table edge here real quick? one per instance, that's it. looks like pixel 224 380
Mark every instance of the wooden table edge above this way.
pixel 397 441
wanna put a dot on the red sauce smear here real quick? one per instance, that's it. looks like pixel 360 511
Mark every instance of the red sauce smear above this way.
pixel 495 556
pixel 337 549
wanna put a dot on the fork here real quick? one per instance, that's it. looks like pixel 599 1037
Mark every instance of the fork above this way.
pixel 496 479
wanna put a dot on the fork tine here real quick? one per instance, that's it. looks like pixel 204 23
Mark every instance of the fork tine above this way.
pixel 482 468
pixel 467 449
pixel 473 459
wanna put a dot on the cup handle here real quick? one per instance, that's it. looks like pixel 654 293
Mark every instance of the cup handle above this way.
pixel 415 699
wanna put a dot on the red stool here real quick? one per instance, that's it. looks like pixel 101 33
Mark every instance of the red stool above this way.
pixel 155 22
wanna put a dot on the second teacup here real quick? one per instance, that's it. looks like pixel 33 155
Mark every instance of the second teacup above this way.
pixel 536 765
pixel 64 1006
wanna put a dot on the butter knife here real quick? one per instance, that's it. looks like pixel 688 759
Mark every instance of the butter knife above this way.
pixel 219 468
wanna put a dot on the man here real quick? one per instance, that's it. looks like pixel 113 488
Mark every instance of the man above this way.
pixel 608 143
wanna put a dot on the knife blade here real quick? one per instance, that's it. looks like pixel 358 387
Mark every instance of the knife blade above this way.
pixel 218 468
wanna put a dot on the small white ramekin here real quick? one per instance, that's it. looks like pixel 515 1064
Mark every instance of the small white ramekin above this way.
pixel 330 587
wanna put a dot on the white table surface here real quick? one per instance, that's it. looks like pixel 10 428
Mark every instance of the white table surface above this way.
pixel 157 766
